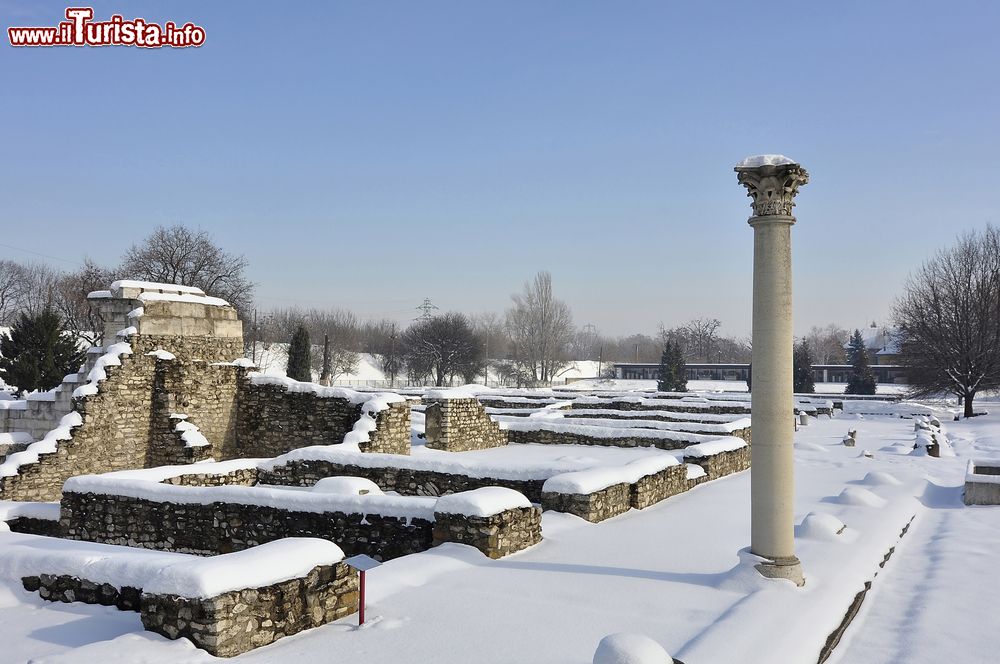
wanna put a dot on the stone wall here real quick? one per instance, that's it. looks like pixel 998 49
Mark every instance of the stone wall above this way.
pixel 651 489
pixel 127 425
pixel 228 624
pixel 676 406
pixel 546 437
pixel 224 527
pixel 273 421
pixel 401 480
pixel 235 622
pixel 594 507
pixel 460 425
pixel 497 536
pixel 724 463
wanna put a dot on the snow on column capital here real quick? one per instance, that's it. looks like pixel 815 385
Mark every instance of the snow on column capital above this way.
pixel 772 181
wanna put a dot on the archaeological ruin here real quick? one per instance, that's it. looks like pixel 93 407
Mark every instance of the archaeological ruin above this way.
pixel 169 450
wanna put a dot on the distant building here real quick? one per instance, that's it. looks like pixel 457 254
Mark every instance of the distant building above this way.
pixel 882 344
pixel 822 373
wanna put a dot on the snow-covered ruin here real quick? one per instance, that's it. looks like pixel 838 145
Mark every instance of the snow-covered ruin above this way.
pixel 171 479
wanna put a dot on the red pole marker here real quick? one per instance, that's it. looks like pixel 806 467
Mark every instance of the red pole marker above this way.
pixel 361 601
pixel 362 563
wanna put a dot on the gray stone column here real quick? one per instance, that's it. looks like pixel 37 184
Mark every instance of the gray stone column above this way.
pixel 772 182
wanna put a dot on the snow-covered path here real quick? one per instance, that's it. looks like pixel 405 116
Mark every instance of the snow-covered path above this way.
pixel 936 600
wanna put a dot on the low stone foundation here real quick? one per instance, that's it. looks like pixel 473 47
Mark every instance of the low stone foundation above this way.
pixel 34 526
pixel 594 507
pixel 405 481
pixel 546 437
pixel 497 536
pixel 224 527
pixel 64 588
pixel 722 464
pixel 235 622
pixel 651 489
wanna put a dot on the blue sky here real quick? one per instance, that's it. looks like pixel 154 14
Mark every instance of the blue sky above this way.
pixel 369 154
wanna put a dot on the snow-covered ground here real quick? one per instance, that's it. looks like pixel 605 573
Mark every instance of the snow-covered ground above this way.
pixel 672 572
pixel 710 386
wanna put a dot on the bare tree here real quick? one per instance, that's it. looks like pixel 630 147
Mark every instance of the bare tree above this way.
pixel 949 320
pixel 827 344
pixel 180 255
pixel 13 283
pixel 702 336
pixel 540 328
pixel 443 345
pixel 71 299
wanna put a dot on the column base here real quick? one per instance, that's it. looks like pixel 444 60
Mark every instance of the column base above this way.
pixel 789 569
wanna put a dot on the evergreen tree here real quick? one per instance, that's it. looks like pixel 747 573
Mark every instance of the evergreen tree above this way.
pixel 665 382
pixel 679 371
pixel 802 375
pixel 862 380
pixel 750 377
pixel 300 356
pixel 39 352
pixel 673 369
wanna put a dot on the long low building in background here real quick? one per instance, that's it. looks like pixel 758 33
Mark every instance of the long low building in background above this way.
pixel 822 373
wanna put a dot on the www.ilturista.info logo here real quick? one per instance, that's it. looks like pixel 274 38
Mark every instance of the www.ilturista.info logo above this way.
pixel 80 30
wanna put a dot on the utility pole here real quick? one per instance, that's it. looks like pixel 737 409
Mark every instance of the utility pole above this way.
pixel 600 361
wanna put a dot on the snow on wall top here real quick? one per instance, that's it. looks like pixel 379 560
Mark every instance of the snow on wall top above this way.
pixel 110 358
pixel 765 160
pixel 183 297
pixel 597 479
pixel 485 501
pixel 166 573
pixel 46 445
pixel 155 286
pixel 711 448
pixel 404 507
pixel 264 565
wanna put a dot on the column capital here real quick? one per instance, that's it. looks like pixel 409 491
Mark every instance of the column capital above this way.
pixel 772 181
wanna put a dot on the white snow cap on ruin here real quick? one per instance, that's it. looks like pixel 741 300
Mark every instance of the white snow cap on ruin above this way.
pixel 156 286
pixel 765 160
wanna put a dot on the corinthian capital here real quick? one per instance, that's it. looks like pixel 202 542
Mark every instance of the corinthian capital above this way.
pixel 772 181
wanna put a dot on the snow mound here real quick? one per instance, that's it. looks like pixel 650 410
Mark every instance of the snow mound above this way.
pixel 623 648
pixel 353 486
pixel 877 478
pixel 161 354
pixel 485 501
pixel 813 447
pixel 859 496
pixel 820 526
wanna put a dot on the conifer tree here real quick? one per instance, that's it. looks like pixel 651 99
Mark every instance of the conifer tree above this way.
pixel 679 370
pixel 861 380
pixel 666 368
pixel 802 375
pixel 39 352
pixel 300 356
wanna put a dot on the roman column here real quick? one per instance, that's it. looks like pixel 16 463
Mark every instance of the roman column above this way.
pixel 772 181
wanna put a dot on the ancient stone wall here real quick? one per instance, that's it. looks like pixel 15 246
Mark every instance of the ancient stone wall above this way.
pixel 227 624
pixel 651 489
pixel 224 527
pixel 235 622
pixel 497 536
pixel 676 406
pixel 724 463
pixel 547 437
pixel 460 425
pixel 404 481
pixel 594 507
pixel 273 420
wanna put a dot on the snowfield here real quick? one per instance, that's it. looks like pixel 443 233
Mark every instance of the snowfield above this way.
pixel 677 573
